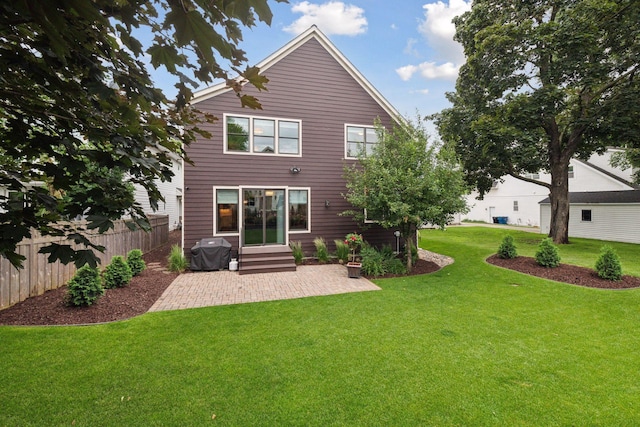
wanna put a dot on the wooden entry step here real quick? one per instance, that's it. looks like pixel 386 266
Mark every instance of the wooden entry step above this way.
pixel 265 259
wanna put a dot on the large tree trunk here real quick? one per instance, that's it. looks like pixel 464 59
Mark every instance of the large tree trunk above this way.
pixel 559 197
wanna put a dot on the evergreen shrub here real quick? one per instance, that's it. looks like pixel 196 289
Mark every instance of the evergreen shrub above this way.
pixel 135 261
pixel 608 265
pixel 117 274
pixel 507 249
pixel 85 287
pixel 547 254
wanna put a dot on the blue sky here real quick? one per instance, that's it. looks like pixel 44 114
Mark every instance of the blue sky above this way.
pixel 404 48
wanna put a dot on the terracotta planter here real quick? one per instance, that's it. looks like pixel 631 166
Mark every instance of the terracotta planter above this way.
pixel 353 269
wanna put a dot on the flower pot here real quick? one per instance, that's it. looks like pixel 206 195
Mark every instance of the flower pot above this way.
pixel 353 269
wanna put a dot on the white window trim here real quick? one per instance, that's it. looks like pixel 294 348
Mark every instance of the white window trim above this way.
pixel 240 190
pixel 346 141
pixel 276 136
pixel 308 230
pixel 215 211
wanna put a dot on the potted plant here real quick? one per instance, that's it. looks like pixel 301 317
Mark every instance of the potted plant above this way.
pixel 353 241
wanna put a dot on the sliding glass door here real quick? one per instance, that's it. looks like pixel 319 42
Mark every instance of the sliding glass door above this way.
pixel 263 217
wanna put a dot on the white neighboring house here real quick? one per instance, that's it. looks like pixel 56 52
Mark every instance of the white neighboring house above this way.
pixel 519 200
pixel 604 215
pixel 172 193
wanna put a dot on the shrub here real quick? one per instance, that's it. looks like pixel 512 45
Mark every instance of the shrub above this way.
pixel 547 254
pixel 608 264
pixel 298 253
pixel 117 274
pixel 177 260
pixel 372 261
pixel 85 287
pixel 507 249
pixel 135 261
pixel 394 266
pixel 322 253
pixel 342 251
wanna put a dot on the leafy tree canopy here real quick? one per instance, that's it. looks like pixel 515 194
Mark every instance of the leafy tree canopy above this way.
pixel 405 182
pixel 544 81
pixel 75 91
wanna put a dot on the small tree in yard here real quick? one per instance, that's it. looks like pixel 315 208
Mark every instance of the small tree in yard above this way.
pixel 547 254
pixel 117 274
pixel 85 287
pixel 608 264
pixel 507 249
pixel 405 182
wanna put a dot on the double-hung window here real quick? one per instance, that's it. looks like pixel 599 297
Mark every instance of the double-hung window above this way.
pixel 258 135
pixel 360 140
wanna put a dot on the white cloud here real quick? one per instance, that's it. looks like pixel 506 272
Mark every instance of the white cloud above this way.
pixel 438 30
pixel 333 17
pixel 410 48
pixel 406 72
pixel 430 70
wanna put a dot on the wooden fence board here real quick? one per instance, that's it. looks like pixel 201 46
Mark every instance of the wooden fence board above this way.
pixel 39 276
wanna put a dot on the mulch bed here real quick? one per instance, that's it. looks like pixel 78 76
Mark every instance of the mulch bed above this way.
pixel 116 304
pixel 145 289
pixel 421 267
pixel 566 273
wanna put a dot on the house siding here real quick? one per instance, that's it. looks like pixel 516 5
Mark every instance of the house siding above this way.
pixel 608 221
pixel 499 201
pixel 172 193
pixel 306 85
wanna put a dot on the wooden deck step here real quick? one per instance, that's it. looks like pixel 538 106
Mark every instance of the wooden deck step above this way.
pixel 265 259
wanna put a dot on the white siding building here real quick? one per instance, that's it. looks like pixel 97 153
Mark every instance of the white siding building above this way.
pixel 519 201
pixel 172 193
pixel 604 215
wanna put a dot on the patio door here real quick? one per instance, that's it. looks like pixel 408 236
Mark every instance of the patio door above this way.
pixel 263 217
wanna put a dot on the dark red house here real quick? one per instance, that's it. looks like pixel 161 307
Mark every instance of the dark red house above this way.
pixel 268 177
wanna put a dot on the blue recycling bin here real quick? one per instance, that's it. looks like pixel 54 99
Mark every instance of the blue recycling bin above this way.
pixel 502 219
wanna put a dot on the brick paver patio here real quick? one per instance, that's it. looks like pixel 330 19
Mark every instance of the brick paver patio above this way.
pixel 226 287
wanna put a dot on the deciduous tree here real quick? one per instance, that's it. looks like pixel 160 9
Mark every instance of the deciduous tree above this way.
pixel 544 81
pixel 405 182
pixel 74 89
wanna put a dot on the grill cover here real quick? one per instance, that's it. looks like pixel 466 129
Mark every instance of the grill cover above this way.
pixel 212 253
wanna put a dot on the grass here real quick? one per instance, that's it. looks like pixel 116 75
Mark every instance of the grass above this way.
pixel 469 345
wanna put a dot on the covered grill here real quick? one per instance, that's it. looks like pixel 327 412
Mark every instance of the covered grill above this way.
pixel 211 253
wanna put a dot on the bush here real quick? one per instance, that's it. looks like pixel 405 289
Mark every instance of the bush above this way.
pixel 608 264
pixel 378 263
pixel 372 261
pixel 298 253
pixel 117 274
pixel 394 266
pixel 547 254
pixel 322 253
pixel 85 287
pixel 507 249
pixel 342 251
pixel 135 261
pixel 177 260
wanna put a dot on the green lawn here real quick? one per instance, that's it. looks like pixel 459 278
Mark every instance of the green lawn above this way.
pixel 471 344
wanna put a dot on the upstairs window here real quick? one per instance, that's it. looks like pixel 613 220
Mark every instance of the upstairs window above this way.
pixel 570 172
pixel 515 206
pixel 586 215
pixel 532 175
pixel 360 140
pixel 257 135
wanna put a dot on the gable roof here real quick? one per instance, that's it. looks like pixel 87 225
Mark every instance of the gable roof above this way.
pixel 311 33
pixel 607 173
pixel 602 197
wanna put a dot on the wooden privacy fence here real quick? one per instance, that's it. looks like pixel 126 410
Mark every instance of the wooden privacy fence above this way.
pixel 39 276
